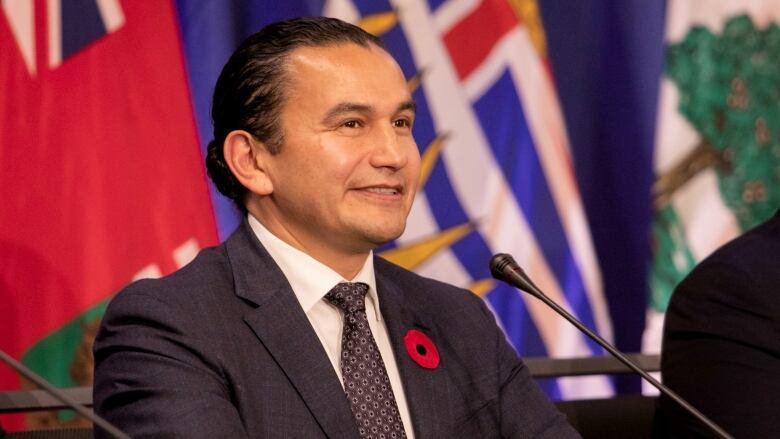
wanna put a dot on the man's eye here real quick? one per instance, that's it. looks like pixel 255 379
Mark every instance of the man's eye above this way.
pixel 352 124
pixel 402 123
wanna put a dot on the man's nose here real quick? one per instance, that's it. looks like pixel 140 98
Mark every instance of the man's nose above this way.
pixel 388 150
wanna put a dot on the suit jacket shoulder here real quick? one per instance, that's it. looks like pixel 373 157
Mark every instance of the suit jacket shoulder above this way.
pixel 221 348
pixel 426 293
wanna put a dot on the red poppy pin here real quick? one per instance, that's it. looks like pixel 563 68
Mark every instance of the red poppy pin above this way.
pixel 421 349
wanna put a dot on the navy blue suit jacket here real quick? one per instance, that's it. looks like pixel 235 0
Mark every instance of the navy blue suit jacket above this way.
pixel 222 348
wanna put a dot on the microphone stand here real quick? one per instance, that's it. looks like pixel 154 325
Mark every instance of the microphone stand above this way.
pixel 504 268
pixel 57 393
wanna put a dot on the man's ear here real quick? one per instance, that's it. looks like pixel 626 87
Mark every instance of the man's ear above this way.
pixel 246 159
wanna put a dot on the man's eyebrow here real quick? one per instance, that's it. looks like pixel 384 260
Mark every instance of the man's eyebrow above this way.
pixel 353 107
pixel 409 105
pixel 347 107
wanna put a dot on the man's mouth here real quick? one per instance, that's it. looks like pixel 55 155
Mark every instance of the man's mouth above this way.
pixel 383 190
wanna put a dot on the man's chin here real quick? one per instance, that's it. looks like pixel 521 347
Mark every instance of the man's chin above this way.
pixel 382 237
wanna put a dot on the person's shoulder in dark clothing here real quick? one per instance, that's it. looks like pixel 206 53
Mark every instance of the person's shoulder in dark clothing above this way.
pixel 721 345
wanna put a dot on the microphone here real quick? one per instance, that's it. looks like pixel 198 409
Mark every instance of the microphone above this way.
pixel 504 268
pixel 57 393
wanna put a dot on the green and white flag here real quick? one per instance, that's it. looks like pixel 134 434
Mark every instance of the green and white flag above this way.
pixel 717 157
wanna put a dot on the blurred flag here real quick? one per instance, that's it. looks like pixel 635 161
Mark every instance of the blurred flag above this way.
pixel 717 158
pixel 101 179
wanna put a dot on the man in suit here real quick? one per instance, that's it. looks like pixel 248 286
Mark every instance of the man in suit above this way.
pixel 721 346
pixel 291 327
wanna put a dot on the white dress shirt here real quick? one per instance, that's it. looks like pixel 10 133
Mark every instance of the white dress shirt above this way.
pixel 310 281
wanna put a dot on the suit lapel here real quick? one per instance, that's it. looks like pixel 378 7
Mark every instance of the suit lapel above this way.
pixel 285 331
pixel 426 390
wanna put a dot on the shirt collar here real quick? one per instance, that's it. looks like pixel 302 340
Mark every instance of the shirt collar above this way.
pixel 309 278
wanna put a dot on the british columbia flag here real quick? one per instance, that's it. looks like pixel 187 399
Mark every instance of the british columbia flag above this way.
pixel 497 171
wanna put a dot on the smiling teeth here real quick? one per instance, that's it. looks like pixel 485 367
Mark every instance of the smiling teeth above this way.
pixel 382 190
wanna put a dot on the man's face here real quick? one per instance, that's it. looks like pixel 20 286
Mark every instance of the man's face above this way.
pixel 348 169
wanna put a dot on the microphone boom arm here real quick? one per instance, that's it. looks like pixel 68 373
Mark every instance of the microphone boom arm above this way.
pixel 504 268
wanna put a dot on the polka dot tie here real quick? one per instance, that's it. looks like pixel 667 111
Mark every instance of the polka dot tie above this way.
pixel 363 371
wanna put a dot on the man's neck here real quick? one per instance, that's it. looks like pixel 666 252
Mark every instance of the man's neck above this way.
pixel 347 264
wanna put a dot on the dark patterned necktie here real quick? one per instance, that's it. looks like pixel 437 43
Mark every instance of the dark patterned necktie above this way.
pixel 363 371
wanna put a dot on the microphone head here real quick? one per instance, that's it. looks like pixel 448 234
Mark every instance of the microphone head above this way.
pixel 498 263
pixel 504 268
